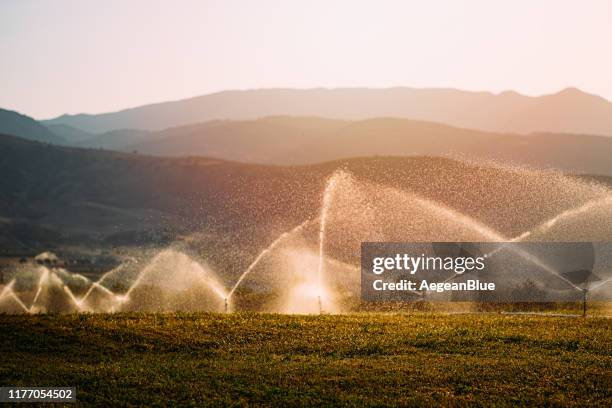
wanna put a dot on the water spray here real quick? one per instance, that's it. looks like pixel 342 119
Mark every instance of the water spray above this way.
pixel 327 200
pixel 334 182
pixel 262 254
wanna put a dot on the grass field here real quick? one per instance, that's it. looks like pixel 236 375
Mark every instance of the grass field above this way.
pixel 362 359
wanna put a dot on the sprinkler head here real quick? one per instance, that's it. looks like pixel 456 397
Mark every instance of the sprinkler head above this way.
pixel 226 305
pixel 121 298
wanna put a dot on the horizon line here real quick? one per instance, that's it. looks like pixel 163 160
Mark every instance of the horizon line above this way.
pixel 321 88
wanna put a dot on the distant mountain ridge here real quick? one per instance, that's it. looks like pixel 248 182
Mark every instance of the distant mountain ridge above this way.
pixel 16 124
pixel 70 134
pixel 118 139
pixel 290 141
pixel 567 111
pixel 285 140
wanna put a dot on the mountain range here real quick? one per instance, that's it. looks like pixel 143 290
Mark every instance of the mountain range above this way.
pixel 568 111
pixel 296 140
pixel 285 140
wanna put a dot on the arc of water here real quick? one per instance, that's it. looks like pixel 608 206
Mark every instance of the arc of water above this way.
pixel 548 224
pixel 327 200
pixel 139 278
pixel 551 222
pixel 212 284
pixel 8 291
pixel 98 283
pixel 601 284
pixel 77 275
pixel 7 288
pixel 121 298
pixel 491 234
pixel 72 297
pixel 466 220
pixel 46 276
pixel 262 254
pixel 529 257
pixel 446 212
pixel 43 278
pixel 21 304
pixel 99 286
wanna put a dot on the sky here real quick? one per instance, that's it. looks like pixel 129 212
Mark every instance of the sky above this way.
pixel 95 56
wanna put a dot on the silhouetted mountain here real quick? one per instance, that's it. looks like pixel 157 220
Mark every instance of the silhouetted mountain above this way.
pixel 114 140
pixel 70 134
pixel 13 123
pixel 285 140
pixel 569 111
pixel 120 139
pixel 275 140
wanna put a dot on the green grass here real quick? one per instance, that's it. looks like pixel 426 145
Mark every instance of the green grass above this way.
pixel 363 359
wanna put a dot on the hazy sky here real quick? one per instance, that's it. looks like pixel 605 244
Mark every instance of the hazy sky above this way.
pixel 95 56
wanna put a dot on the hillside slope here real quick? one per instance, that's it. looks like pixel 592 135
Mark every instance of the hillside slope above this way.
pixel 295 140
pixel 78 195
pixel 14 123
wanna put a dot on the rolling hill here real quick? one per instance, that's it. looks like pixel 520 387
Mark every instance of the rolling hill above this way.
pixel 568 111
pixel 113 140
pixel 13 123
pixel 299 140
pixel 69 134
